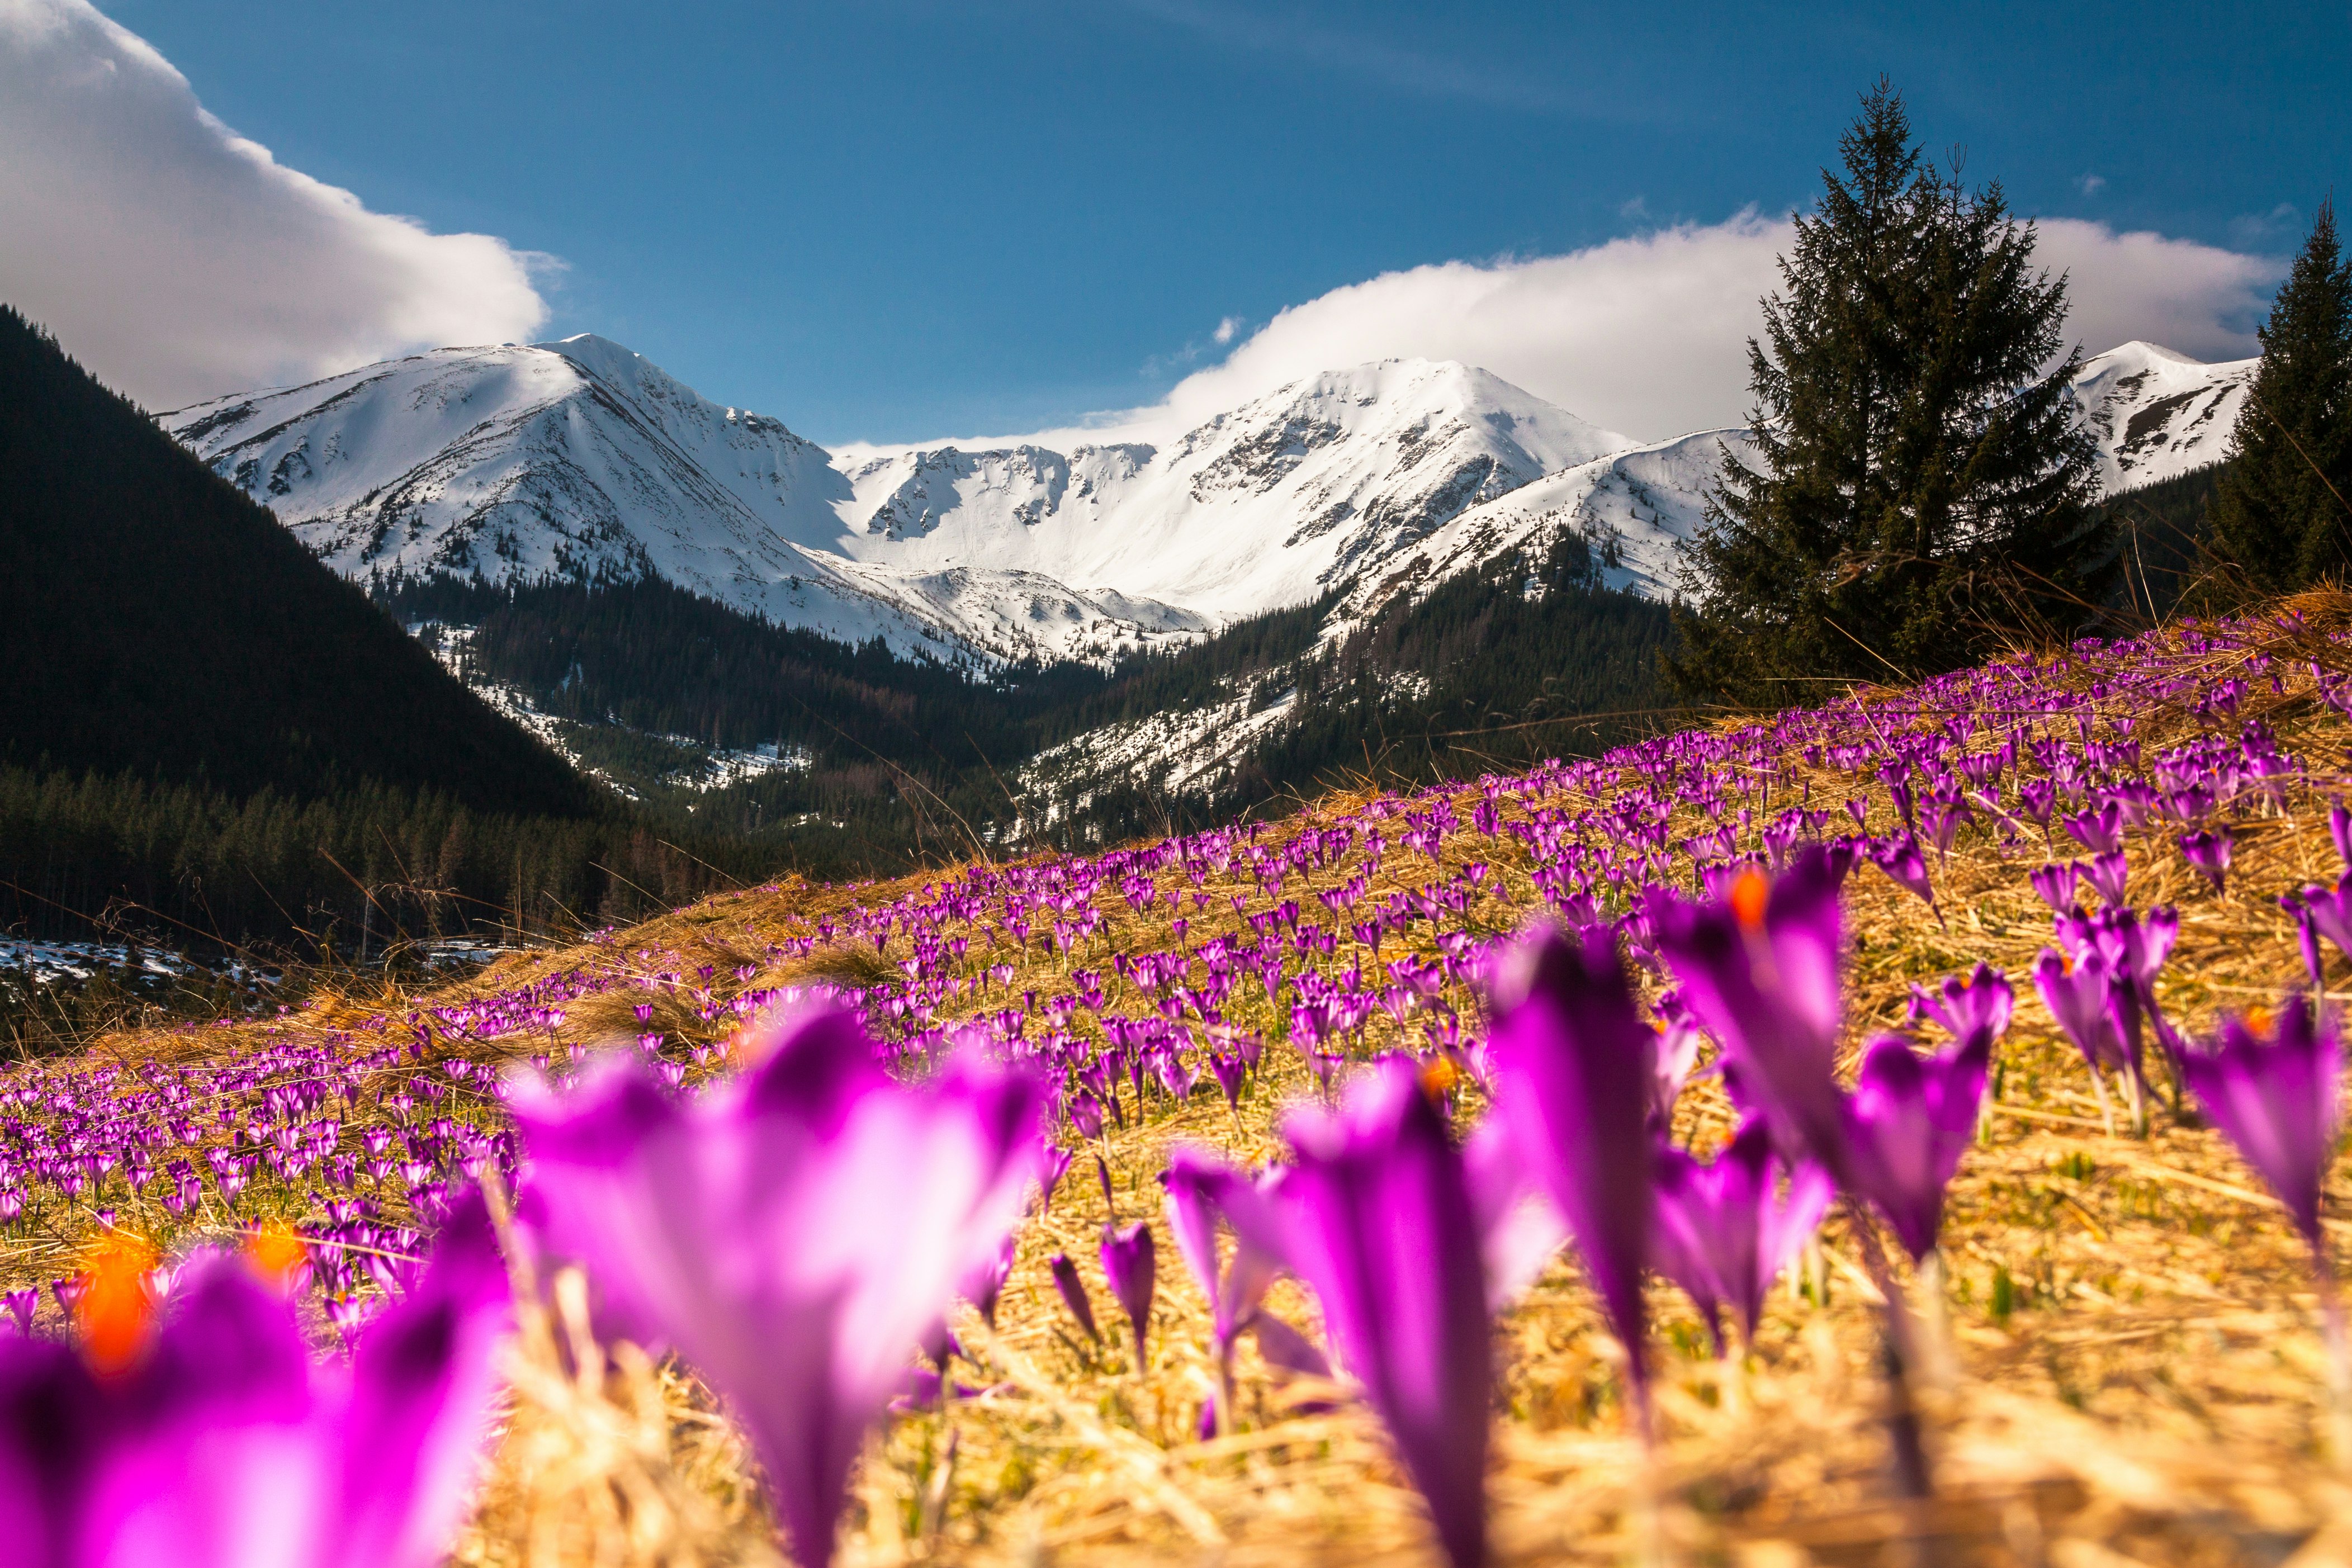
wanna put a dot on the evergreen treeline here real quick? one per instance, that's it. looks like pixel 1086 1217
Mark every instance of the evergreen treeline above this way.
pixel 207 736
pixel 652 656
pixel 910 760
pixel 345 874
pixel 1528 657
pixel 1525 658
pixel 2164 539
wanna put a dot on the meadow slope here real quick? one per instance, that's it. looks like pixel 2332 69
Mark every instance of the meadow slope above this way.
pixel 2137 1370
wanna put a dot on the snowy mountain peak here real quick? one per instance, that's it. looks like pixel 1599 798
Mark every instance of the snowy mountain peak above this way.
pixel 2158 414
pixel 581 458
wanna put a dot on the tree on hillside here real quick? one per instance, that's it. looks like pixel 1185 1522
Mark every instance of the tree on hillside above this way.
pixel 1920 482
pixel 2280 515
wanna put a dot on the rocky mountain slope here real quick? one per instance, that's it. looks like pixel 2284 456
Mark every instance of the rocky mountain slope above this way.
pixel 581 459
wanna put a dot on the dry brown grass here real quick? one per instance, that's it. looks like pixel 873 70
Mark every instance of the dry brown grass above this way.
pixel 2145 1387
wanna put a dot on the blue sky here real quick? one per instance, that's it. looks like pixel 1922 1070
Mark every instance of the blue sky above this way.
pixel 897 219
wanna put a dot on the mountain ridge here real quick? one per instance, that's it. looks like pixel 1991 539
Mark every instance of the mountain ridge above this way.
pixel 580 460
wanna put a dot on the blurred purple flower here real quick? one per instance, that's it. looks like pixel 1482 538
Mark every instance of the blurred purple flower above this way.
pixel 2056 884
pixel 2108 873
pixel 1575 1072
pixel 1204 1189
pixel 1379 1221
pixel 2270 1085
pixel 1131 1263
pixel 1900 859
pixel 224 1447
pixel 986 1283
pixel 2319 911
pixel 1519 1228
pixel 2210 854
pixel 1981 1000
pixel 1725 1229
pixel 1759 971
pixel 793 1234
pixel 2099 830
pixel 1053 1165
pixel 1909 1121
pixel 1073 1294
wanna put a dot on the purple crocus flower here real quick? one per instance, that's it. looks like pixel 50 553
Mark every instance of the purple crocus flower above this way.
pixel 1900 859
pixel 2108 874
pixel 1909 1121
pixel 2209 852
pixel 1575 1074
pixel 2055 884
pixel 1073 1294
pixel 1759 971
pixel 986 1283
pixel 2270 1083
pixel 223 1445
pixel 1053 1165
pixel 1379 1221
pixel 1228 1069
pixel 2099 830
pixel 1519 1229
pixel 1202 1189
pixel 1132 1264
pixel 2318 912
pixel 793 1234
pixel 2082 996
pixel 1980 1000
pixel 1725 1229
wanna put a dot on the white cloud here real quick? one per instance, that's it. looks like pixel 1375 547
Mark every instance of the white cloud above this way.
pixel 1648 334
pixel 179 260
pixel 1226 328
pixel 2091 184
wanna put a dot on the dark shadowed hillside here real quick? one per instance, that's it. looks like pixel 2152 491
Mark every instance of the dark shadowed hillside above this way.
pixel 153 619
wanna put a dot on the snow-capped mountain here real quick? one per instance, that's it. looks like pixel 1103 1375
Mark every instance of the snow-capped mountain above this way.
pixel 2157 414
pixel 580 458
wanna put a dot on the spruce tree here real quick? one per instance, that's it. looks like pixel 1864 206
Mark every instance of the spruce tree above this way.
pixel 1921 484
pixel 2280 516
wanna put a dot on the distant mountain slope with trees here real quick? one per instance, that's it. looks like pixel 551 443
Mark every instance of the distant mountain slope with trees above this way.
pixel 152 619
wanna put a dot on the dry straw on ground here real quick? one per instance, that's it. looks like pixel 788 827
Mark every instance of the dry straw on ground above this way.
pixel 2135 1369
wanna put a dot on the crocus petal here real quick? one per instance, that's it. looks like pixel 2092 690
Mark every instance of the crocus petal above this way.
pixel 1130 1264
pixel 218 1453
pixel 1760 970
pixel 1520 1229
pixel 1908 1125
pixel 792 1234
pixel 2277 1100
pixel 1575 1069
pixel 1382 1226
pixel 422 1383
pixel 1203 1188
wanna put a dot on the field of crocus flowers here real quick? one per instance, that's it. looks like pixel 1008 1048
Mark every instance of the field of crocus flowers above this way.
pixel 1902 1130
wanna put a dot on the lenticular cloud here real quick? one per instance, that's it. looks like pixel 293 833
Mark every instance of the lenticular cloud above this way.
pixel 178 259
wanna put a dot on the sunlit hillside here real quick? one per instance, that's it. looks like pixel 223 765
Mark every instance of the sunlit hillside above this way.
pixel 2117 1350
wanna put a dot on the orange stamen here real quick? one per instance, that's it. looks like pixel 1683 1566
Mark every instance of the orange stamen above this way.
pixel 115 1314
pixel 274 1251
pixel 2260 1021
pixel 1749 890
pixel 1440 1077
